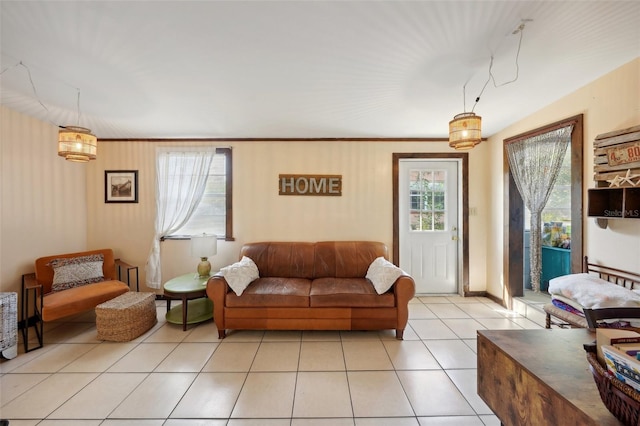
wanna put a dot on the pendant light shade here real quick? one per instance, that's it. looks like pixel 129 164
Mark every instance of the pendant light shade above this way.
pixel 465 131
pixel 77 144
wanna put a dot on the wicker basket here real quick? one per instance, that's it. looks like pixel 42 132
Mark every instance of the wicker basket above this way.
pixel 8 324
pixel 126 317
pixel 621 399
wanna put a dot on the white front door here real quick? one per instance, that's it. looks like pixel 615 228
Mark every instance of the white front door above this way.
pixel 428 220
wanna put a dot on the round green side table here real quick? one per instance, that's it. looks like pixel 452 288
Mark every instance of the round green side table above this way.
pixel 196 307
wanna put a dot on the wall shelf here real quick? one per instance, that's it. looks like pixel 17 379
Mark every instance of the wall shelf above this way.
pixel 614 203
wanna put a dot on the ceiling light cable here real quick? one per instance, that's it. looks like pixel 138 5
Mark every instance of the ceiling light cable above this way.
pixel 491 77
pixel 33 86
pixel 78 102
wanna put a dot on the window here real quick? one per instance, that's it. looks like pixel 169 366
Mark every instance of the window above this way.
pixel 556 215
pixel 212 214
pixel 558 207
pixel 427 199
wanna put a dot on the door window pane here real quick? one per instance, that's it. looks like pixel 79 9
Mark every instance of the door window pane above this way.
pixel 427 189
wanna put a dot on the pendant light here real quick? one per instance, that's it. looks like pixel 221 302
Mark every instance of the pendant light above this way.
pixel 77 143
pixel 465 131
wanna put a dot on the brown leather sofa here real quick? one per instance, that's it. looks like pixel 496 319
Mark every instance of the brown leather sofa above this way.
pixel 41 302
pixel 312 286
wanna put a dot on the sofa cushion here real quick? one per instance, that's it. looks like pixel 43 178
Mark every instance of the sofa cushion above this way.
pixel 76 271
pixel 240 274
pixel 383 274
pixel 64 303
pixel 282 259
pixel 272 292
pixel 347 293
pixel 346 259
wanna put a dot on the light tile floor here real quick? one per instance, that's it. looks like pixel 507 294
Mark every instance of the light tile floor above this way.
pixel 190 378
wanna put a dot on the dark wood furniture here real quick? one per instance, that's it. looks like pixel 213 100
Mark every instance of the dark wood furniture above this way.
pixel 539 377
pixel 612 203
pixel 593 316
pixel 562 318
pixel 616 169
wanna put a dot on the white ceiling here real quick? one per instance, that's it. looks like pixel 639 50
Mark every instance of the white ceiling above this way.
pixel 241 69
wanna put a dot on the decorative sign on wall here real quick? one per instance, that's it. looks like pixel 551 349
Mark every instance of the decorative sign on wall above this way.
pixel 617 158
pixel 624 154
pixel 328 185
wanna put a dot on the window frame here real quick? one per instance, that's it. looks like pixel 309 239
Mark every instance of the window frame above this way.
pixel 228 154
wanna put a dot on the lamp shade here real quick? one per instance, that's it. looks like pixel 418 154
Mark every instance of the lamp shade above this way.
pixel 204 245
pixel 77 144
pixel 465 131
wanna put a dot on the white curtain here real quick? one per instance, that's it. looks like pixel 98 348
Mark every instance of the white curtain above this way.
pixel 535 163
pixel 181 179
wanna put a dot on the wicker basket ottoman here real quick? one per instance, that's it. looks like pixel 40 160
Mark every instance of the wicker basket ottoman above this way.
pixel 126 317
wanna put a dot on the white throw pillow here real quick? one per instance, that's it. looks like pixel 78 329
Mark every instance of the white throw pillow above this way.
pixel 240 274
pixel 383 274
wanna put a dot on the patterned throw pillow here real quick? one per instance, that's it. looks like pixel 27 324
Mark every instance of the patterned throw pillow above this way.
pixel 76 271
pixel 383 274
pixel 240 274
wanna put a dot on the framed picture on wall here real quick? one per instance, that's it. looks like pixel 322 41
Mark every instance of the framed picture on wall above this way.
pixel 120 186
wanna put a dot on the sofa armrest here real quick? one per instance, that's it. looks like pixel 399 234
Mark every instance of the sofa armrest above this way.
pixel 120 265
pixel 217 289
pixel 29 281
pixel 404 289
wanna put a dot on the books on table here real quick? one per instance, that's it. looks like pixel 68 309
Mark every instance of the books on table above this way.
pixel 624 367
pixel 614 337
pixel 617 349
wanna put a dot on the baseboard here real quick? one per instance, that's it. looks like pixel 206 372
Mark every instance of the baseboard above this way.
pixel 475 294
pixel 495 299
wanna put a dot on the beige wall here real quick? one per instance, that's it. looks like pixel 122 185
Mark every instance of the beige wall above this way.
pixel 52 206
pixel 364 211
pixel 43 206
pixel 609 103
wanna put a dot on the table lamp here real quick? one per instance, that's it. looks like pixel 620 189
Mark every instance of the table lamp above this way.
pixel 203 246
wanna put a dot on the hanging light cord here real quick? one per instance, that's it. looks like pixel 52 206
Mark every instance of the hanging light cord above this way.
pixel 35 92
pixel 491 77
pixel 33 86
pixel 78 102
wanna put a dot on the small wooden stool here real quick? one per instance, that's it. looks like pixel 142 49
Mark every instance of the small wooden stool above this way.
pixel 126 317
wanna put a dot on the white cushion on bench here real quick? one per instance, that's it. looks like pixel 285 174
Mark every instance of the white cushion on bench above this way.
pixel 590 291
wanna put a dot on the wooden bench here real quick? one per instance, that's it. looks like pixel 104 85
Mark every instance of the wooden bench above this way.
pixel 565 319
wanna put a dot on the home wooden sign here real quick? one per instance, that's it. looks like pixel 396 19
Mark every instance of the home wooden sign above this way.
pixel 325 185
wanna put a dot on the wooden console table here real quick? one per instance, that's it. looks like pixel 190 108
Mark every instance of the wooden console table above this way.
pixel 539 377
